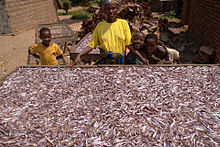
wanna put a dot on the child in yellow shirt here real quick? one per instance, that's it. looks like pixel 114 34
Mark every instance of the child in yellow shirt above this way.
pixel 48 51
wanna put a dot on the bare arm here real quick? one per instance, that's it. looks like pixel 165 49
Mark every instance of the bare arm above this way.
pixel 35 55
pixel 85 52
pixel 137 53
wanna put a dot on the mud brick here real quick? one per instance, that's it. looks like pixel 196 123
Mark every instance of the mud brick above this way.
pixel 21 16
pixel 203 18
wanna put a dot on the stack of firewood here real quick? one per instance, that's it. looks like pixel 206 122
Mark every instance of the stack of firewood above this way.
pixel 138 15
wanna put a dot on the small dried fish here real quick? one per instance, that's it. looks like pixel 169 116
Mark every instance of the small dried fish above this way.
pixel 138 106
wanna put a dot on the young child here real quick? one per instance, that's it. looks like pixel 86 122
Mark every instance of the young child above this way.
pixel 151 41
pixel 137 43
pixel 160 54
pixel 145 53
pixel 167 55
pixel 48 51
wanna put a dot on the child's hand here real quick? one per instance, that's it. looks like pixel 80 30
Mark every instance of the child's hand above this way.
pixel 145 61
pixel 155 58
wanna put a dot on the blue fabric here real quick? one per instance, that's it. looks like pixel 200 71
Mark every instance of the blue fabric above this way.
pixel 111 58
pixel 112 1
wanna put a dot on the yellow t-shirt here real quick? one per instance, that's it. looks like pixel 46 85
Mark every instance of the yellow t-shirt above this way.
pixel 47 54
pixel 111 36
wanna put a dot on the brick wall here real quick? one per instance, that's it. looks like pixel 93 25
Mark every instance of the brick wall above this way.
pixel 5 27
pixel 26 14
pixel 204 23
pixel 186 10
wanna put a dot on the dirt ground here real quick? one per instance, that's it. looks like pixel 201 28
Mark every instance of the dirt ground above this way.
pixel 13 49
pixel 13 52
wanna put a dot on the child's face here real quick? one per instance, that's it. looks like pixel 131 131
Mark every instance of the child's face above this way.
pixel 111 11
pixel 150 45
pixel 138 40
pixel 160 52
pixel 45 37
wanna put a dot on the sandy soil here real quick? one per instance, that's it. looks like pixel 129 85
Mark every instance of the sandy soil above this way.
pixel 13 49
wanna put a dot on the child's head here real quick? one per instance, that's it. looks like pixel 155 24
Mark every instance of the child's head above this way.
pixel 160 52
pixel 137 39
pixel 151 41
pixel 45 36
pixel 111 8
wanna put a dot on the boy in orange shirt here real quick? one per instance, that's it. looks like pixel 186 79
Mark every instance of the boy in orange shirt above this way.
pixel 47 51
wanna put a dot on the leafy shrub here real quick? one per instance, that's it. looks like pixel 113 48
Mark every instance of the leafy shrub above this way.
pixel 81 15
pixel 66 5
pixel 91 9
pixel 169 15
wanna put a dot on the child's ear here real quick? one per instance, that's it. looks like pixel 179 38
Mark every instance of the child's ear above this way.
pixel 40 36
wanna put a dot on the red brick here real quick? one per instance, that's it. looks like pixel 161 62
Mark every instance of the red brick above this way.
pixel 203 18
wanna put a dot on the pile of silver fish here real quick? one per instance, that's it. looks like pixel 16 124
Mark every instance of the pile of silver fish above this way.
pixel 111 106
